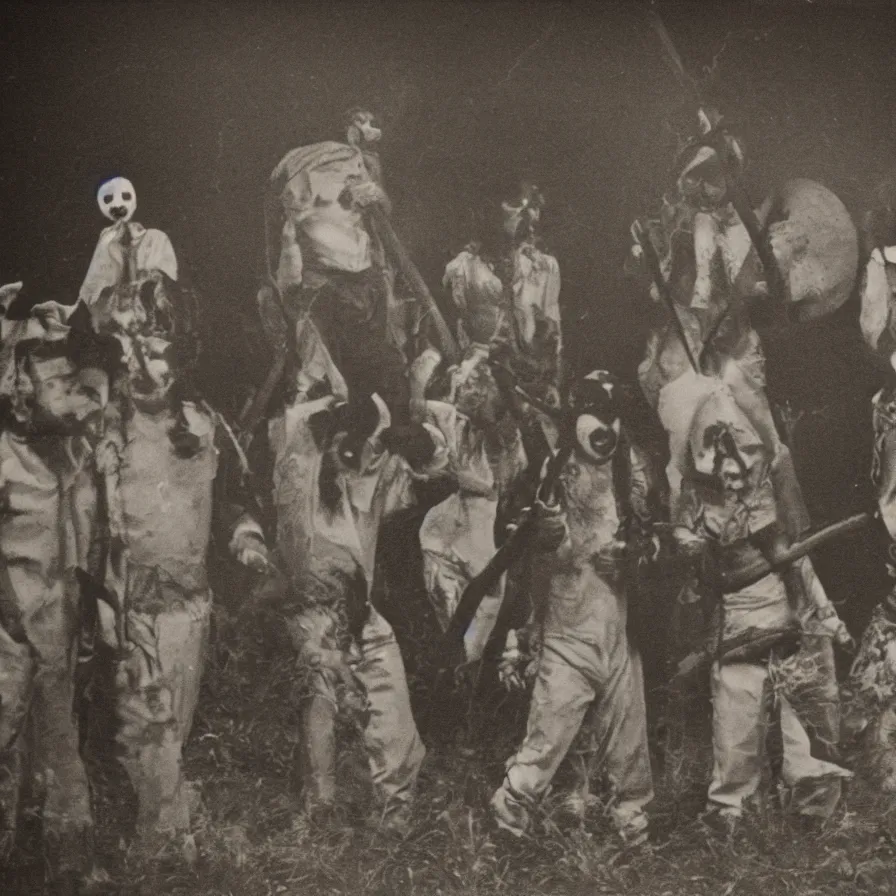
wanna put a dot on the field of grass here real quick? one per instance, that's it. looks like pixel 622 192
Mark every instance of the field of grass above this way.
pixel 251 838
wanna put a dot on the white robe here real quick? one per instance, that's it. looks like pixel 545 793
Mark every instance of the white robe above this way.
pixel 154 253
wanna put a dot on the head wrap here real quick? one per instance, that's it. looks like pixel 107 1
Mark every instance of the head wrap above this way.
pixel 291 190
pixel 46 322
pixel 718 412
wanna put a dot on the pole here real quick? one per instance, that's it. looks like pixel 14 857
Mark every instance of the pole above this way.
pixel 662 287
pixel 740 200
pixel 390 239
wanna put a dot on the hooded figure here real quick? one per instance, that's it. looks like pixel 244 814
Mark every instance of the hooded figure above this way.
pixel 715 278
pixel 330 505
pixel 47 530
pixel 165 498
pixel 125 248
pixel 783 625
pixel 809 232
pixel 588 697
pixel 328 265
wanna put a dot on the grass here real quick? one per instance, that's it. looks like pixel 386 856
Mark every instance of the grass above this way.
pixel 251 838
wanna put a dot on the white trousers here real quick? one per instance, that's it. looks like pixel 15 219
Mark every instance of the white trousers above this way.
pixel 580 685
pixel 742 701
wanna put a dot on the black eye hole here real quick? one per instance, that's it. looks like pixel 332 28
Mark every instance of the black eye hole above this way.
pixel 127 197
pixel 108 198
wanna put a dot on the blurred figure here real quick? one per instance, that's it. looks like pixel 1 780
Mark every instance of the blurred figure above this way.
pixel 172 476
pixel 52 397
pixel 333 275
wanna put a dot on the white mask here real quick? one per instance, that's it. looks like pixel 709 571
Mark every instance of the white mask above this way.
pixel 117 199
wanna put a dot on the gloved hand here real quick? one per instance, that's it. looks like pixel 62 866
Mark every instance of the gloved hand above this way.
pixel 272 588
pixel 186 443
pixel 606 560
pixel 549 527
pixel 412 442
pixel 832 623
pixel 686 542
pixel 250 550
pixel 509 666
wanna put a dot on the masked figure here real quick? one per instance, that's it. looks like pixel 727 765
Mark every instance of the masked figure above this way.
pixel 715 280
pixel 125 248
pixel 510 295
pixel 48 527
pixel 328 263
pixel 588 699
pixel 772 639
pixel 330 505
pixel 164 495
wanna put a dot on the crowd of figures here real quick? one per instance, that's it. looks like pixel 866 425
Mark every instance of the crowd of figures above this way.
pixel 536 500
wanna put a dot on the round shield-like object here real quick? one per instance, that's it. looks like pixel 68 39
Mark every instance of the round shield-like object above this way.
pixel 816 243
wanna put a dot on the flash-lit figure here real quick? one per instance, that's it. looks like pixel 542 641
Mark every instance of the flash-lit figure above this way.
pixel 772 640
pixel 508 304
pixel 165 499
pixel 589 688
pixel 125 248
pixel 507 290
pixel 487 458
pixel 47 531
pixel 331 506
pixel 332 272
pixel 715 283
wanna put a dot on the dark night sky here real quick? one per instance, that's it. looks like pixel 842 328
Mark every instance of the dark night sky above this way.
pixel 196 102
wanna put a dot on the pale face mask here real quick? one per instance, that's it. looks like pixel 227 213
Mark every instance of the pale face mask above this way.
pixel 117 199
pixel 598 425
pixel 151 370
pixel 513 216
pixel 61 402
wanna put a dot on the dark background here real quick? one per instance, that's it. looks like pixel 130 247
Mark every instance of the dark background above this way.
pixel 196 102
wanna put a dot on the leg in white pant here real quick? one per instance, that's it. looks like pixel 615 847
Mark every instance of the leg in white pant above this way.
pixel 394 749
pixel 740 718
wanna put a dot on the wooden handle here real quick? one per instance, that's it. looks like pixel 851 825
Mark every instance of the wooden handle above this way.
pixel 762 568
pixel 417 283
pixel 255 411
